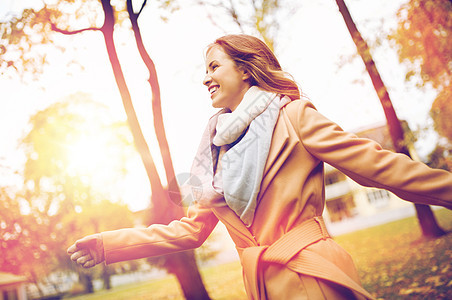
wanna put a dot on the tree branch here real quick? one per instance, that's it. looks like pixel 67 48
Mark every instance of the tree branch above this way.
pixel 233 12
pixel 230 10
pixel 69 32
pixel 141 9
pixel 210 17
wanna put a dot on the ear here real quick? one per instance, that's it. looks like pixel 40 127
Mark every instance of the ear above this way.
pixel 246 75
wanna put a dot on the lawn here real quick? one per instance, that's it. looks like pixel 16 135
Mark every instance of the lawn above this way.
pixel 392 261
pixel 395 264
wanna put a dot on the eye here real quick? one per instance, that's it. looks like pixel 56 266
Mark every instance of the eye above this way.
pixel 214 67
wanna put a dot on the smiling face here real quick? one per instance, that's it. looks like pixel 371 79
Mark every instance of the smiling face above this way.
pixel 225 81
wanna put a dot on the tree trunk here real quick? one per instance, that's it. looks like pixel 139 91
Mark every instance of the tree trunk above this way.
pixel 106 277
pixel 427 221
pixel 87 281
pixel 166 210
pixel 183 266
pixel 140 143
pixel 34 279
pixel 159 127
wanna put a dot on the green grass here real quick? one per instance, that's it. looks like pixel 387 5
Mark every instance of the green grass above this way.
pixel 392 261
pixel 222 282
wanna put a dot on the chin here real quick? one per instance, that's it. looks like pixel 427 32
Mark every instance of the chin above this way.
pixel 217 104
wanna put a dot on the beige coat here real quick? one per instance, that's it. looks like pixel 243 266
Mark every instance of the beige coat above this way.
pixel 305 263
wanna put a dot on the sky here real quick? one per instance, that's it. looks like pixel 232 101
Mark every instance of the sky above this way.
pixel 311 44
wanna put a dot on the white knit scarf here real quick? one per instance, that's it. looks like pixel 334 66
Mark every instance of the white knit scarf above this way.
pixel 234 149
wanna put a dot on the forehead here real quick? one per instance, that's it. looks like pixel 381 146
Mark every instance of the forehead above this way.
pixel 216 53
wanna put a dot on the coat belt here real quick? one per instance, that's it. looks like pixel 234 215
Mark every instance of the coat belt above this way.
pixel 285 251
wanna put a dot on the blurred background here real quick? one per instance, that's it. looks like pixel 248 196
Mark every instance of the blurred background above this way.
pixel 102 106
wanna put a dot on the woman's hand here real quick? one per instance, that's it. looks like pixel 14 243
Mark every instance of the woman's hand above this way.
pixel 88 251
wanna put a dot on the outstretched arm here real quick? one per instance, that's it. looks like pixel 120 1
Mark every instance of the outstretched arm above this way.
pixel 187 233
pixel 367 163
pixel 133 243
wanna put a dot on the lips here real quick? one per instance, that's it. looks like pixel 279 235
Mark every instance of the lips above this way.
pixel 213 89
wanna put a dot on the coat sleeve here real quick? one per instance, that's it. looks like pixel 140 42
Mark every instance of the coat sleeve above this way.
pixel 367 163
pixel 133 243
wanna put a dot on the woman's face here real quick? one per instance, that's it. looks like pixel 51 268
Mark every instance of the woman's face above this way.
pixel 225 81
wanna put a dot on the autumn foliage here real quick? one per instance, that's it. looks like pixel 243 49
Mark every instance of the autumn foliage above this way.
pixel 75 155
pixel 424 40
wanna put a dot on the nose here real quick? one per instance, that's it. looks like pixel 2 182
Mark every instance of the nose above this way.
pixel 207 80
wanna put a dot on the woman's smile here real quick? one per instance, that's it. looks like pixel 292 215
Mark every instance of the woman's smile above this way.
pixel 213 89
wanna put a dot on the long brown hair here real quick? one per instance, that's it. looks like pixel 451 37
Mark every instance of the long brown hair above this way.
pixel 254 56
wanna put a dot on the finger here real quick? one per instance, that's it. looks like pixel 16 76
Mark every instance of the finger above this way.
pixel 89 264
pixel 82 260
pixel 79 254
pixel 86 242
pixel 71 249
pixel 80 244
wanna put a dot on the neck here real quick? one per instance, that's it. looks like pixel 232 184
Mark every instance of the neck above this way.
pixel 240 96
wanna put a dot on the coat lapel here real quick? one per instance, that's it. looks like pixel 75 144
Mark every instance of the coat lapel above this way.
pixel 283 141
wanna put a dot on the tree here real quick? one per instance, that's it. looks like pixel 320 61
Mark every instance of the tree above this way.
pixel 94 217
pixel 73 150
pixel 64 177
pixel 54 18
pixel 423 41
pixel 183 265
pixel 427 220
pixel 441 113
pixel 438 159
pixel 21 247
pixel 254 17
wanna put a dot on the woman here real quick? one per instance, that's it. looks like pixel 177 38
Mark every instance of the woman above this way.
pixel 260 163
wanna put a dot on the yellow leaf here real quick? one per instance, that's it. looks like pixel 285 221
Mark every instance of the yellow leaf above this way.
pixel 436 280
pixel 420 290
pixel 406 291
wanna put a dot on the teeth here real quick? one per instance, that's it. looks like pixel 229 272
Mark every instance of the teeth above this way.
pixel 213 90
